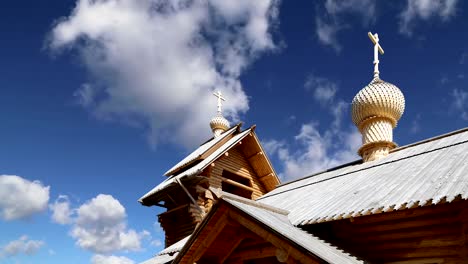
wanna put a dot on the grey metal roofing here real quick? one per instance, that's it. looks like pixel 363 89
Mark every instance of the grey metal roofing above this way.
pixel 279 222
pixel 168 254
pixel 160 259
pixel 200 150
pixel 198 168
pixel 421 174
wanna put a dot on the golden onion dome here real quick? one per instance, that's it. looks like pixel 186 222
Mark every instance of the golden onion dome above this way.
pixel 219 122
pixel 378 99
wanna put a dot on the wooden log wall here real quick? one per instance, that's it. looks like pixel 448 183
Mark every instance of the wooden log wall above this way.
pixel 432 234
pixel 177 224
pixel 235 162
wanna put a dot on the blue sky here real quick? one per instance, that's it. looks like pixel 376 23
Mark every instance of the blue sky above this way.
pixel 99 98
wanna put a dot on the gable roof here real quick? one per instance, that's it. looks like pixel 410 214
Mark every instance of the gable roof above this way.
pixel 157 192
pixel 277 221
pixel 168 254
pixel 430 172
pixel 196 154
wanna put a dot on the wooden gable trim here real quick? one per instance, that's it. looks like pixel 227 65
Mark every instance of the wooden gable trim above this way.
pixel 225 215
pixel 281 244
pixel 216 146
pixel 271 177
pixel 208 152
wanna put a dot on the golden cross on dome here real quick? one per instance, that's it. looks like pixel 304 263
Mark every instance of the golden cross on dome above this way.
pixel 220 99
pixel 377 49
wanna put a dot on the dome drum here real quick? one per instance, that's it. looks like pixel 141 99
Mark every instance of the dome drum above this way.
pixel 377 129
pixel 376 110
pixel 375 150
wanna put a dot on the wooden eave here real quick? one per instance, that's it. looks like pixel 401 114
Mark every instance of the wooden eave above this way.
pixel 225 218
pixel 258 159
pixel 207 153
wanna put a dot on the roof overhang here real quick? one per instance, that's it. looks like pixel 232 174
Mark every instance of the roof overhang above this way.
pixel 269 224
pixel 158 193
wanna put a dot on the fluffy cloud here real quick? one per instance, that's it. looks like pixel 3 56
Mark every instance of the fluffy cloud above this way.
pixel 314 149
pixel 101 259
pixel 100 226
pixel 23 245
pixel 464 57
pixel 61 212
pixel 460 102
pixel 21 198
pixel 160 233
pixel 329 19
pixel 425 10
pixel 416 124
pixel 324 90
pixel 155 63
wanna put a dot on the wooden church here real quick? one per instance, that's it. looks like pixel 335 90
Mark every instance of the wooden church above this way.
pixel 402 205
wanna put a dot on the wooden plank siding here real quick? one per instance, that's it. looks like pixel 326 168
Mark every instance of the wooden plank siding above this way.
pixel 431 234
pixel 257 158
pixel 243 169
pixel 236 163
pixel 248 242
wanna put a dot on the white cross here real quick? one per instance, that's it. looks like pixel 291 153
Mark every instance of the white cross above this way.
pixel 377 48
pixel 220 99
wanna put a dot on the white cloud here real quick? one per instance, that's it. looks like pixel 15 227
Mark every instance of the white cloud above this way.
pixel 61 212
pixel 460 102
pixel 156 62
pixel 464 57
pixel 21 198
pixel 327 33
pixel 313 150
pixel 102 259
pixel 23 245
pixel 159 232
pixel 416 124
pixel 364 7
pixel 324 90
pixel 156 243
pixel 329 19
pixel 425 10
pixel 100 226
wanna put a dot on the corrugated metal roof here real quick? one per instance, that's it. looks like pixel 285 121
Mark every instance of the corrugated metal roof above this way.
pixel 168 254
pixel 423 174
pixel 160 259
pixel 280 223
pixel 200 151
pixel 198 168
pixel 176 247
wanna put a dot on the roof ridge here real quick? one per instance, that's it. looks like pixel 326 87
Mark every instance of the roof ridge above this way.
pixel 359 161
pixel 197 153
pixel 427 140
pixel 366 168
pixel 229 196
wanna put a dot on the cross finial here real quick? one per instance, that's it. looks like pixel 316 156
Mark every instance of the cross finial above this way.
pixel 377 49
pixel 220 99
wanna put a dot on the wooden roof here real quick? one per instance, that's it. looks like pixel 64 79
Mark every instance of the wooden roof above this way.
pixel 201 151
pixel 254 152
pixel 267 227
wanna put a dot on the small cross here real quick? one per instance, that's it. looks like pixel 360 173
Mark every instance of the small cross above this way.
pixel 377 48
pixel 220 99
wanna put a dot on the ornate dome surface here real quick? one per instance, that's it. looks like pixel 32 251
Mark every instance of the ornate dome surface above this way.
pixel 378 99
pixel 219 122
